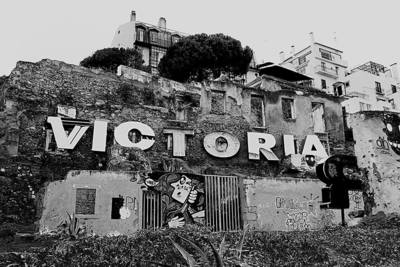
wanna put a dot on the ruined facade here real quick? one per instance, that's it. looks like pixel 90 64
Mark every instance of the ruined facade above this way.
pixel 224 193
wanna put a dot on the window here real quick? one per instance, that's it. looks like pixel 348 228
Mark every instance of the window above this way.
pixel 156 54
pixel 217 102
pixel 364 106
pixel 175 39
pixel 116 204
pixel 323 84
pixel 338 91
pixel 180 112
pixel 391 101
pixel 140 34
pixel 323 66
pixel 347 84
pixel 318 116
pixel 378 87
pixel 153 36
pixel 302 60
pixel 326 54
pixel 257 110
pixel 394 89
pixel 85 201
pixel 288 108
pixel 337 70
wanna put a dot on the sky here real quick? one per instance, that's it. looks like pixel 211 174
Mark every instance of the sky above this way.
pixel 72 30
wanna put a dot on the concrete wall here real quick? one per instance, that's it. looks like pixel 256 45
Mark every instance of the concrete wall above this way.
pixel 60 197
pixel 376 148
pixel 286 204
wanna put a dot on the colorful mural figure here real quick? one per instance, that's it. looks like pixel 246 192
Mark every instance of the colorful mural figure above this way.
pixel 182 196
pixel 392 130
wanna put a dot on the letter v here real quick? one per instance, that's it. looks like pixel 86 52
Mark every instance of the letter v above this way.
pixel 62 139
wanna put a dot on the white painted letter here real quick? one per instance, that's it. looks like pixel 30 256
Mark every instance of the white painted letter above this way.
pixel 288 143
pixel 313 146
pixel 261 142
pixel 178 141
pixel 221 144
pixel 121 135
pixel 62 139
pixel 99 136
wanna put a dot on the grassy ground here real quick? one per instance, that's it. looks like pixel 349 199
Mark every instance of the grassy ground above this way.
pixel 373 244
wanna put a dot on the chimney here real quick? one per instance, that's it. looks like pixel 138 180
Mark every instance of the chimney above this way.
pixel 394 71
pixel 312 38
pixel 292 50
pixel 282 56
pixel 162 23
pixel 133 16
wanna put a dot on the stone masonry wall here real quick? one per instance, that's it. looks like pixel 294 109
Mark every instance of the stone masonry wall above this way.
pixel 34 90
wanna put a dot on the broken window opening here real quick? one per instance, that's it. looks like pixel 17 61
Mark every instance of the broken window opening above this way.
pixel 257 113
pixel 288 108
pixel 217 102
pixel 318 116
pixel 85 201
pixel 116 204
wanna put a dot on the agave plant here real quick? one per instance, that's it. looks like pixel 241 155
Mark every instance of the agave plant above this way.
pixel 71 226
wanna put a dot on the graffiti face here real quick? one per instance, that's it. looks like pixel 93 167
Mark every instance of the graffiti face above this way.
pixel 183 199
pixel 182 189
pixel 392 130
pixel 310 160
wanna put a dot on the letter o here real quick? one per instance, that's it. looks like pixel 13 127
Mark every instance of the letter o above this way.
pixel 122 138
pixel 221 144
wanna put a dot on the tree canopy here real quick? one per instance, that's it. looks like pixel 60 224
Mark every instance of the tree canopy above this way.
pixel 201 56
pixel 109 59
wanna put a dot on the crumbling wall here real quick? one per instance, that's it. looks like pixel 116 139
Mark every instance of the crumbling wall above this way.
pixel 34 90
pixel 377 135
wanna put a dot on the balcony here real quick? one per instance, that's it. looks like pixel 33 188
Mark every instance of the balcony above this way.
pixel 326 71
pixel 334 59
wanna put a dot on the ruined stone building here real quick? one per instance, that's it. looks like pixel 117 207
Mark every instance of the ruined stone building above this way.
pixel 140 151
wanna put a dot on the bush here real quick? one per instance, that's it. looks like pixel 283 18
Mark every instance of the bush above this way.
pixel 109 59
pixel 330 247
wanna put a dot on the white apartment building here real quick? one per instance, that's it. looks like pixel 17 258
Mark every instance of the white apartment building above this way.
pixel 321 62
pixel 152 40
pixel 372 86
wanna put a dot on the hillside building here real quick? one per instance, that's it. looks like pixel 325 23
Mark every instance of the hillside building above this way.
pixel 152 40
pixel 323 63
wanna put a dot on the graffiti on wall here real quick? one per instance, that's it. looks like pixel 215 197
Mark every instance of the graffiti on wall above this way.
pixel 392 131
pixel 182 197
pixel 299 213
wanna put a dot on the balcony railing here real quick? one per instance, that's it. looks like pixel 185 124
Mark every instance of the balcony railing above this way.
pixel 326 71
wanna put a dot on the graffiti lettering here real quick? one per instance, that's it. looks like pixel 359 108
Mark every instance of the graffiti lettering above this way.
pixel 298 221
pixel 309 205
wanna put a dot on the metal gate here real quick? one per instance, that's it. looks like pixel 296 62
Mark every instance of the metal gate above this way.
pixel 223 203
pixel 151 207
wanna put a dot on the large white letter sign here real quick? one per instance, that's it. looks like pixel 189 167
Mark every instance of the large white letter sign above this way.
pixel 221 144
pixel 178 141
pixel 62 139
pixel 261 142
pixel 121 135
pixel 99 136
pixel 313 146
pixel 288 143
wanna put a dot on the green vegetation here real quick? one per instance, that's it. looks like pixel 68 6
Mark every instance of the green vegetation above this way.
pixel 198 57
pixel 109 59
